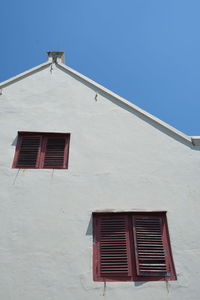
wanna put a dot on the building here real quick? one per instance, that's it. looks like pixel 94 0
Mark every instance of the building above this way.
pixel 89 183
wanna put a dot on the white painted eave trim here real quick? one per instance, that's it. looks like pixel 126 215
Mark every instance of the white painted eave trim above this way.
pixel 128 104
pixel 195 141
pixel 24 74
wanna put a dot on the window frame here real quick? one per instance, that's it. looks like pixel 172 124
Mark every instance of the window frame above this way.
pixel 133 265
pixel 41 149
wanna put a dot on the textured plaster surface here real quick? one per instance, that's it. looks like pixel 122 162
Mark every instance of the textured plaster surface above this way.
pixel 117 161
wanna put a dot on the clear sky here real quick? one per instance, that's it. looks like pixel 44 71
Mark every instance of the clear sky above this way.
pixel 147 51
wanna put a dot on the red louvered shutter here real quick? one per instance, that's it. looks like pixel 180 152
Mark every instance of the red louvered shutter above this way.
pixel 151 249
pixel 28 152
pixel 113 247
pixel 55 152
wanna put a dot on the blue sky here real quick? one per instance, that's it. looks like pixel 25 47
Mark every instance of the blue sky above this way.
pixel 147 51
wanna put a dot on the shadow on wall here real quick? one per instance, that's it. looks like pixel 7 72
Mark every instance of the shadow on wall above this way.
pixel 139 283
pixel 89 230
pixel 14 143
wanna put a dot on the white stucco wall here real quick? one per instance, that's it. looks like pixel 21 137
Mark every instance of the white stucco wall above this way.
pixel 117 161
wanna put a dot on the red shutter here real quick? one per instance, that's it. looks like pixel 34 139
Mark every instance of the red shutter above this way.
pixel 150 246
pixel 113 253
pixel 55 152
pixel 28 151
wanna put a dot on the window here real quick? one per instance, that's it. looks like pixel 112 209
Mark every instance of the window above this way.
pixel 132 247
pixel 42 150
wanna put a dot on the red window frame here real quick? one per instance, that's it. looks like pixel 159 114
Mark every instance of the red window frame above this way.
pixel 109 244
pixel 41 155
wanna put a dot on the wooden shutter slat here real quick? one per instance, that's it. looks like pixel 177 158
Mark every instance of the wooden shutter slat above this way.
pixel 114 247
pixel 28 151
pixel 150 248
pixel 41 150
pixel 55 152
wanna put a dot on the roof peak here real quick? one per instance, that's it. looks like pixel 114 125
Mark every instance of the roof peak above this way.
pixel 56 56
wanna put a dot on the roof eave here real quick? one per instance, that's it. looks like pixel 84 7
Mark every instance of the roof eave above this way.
pixel 195 141
pixel 154 119
pixel 25 74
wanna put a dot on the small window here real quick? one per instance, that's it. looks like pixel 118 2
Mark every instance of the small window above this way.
pixel 132 247
pixel 42 150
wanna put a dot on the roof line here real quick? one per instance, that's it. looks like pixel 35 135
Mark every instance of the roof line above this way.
pixel 193 140
pixel 24 74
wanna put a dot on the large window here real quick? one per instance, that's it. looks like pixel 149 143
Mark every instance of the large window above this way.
pixel 132 247
pixel 42 150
